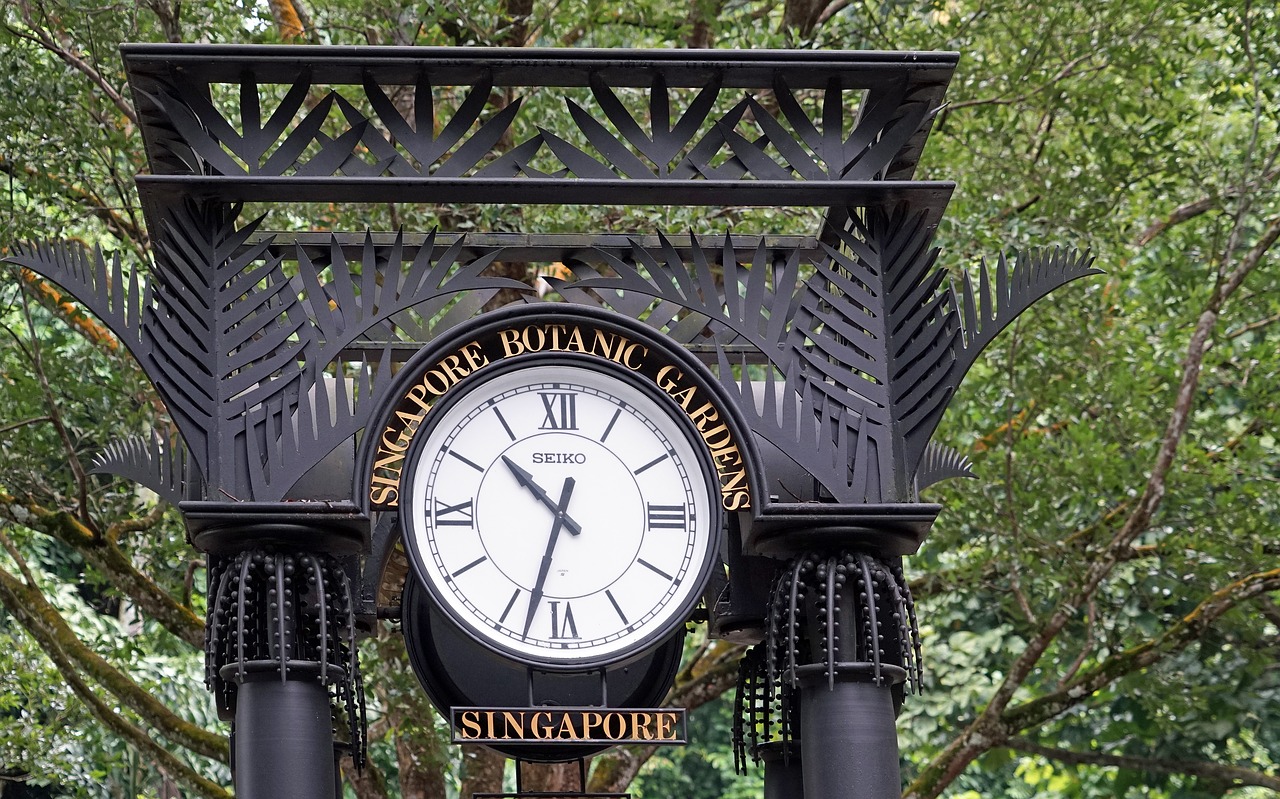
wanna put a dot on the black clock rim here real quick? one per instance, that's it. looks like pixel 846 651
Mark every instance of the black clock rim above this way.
pixel 581 361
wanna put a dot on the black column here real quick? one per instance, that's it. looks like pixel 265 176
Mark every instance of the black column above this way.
pixel 281 662
pixel 825 686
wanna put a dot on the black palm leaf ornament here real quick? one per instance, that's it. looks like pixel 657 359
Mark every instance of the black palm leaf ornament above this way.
pixel 249 360
pixel 869 347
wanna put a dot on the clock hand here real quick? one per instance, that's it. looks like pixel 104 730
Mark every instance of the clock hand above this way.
pixel 525 479
pixel 535 596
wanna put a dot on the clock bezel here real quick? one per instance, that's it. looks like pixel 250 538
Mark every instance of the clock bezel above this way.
pixel 414 460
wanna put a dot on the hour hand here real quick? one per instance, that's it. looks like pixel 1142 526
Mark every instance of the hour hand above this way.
pixel 525 479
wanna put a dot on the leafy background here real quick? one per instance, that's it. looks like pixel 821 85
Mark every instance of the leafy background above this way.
pixel 1100 603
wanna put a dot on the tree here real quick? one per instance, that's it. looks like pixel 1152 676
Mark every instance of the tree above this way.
pixel 1100 603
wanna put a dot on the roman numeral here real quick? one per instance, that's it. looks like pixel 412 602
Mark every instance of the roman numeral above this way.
pixel 564 629
pixel 562 411
pixel 666 516
pixel 453 515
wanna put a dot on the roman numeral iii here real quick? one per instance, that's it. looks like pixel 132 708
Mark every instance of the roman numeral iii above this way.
pixel 666 516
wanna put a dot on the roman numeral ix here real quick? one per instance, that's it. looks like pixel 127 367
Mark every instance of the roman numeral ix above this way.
pixel 447 515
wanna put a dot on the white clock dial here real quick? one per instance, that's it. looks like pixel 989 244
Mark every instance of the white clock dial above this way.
pixel 560 513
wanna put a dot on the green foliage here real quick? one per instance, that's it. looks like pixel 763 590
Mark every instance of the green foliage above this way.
pixel 1143 130
pixel 703 770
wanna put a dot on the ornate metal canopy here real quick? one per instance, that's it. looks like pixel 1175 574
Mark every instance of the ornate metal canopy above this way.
pixel 840 347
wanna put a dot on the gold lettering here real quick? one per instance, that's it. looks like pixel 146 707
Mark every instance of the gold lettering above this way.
pixel 444 380
pixel 685 396
pixel 625 360
pixel 666 726
pixel 726 457
pixel 737 480
pixel 575 343
pixel 390 463
pixel 704 415
pixel 528 342
pixel 602 346
pixel 510 342
pixel 474 354
pixel 540 729
pixel 566 731
pixel 589 719
pixel 667 385
pixel 379 495
pixel 378 479
pixel 556 330
pixel 451 365
pixel 609 722
pixel 418 394
pixel 721 430
pixel 739 501
pixel 641 729
pixel 409 420
pixel 514 725
pixel 470 724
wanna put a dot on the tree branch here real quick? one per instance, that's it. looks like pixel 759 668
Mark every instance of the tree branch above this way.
pixel 988 728
pixel 43 38
pixel 990 731
pixel 1191 210
pixel 45 624
pixel 15 425
pixel 125 230
pixel 73 460
pixel 1234 775
pixel 115 565
pixel 1186 630
pixel 1067 71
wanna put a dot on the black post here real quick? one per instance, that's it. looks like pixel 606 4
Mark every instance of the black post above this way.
pixel 854 719
pixel 281 658
pixel 783 775
pixel 283 739
pixel 839 653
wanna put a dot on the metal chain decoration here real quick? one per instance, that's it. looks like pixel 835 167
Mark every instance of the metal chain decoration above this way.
pixel 285 614
pixel 829 615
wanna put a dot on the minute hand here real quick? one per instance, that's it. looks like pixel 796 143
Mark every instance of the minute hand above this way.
pixel 535 596
pixel 525 479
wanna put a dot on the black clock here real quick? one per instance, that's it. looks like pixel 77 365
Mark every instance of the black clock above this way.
pixel 561 510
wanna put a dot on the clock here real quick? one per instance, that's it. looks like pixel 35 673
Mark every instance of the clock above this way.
pixel 561 510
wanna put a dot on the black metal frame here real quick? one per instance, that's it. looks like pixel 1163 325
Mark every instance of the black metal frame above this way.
pixel 272 350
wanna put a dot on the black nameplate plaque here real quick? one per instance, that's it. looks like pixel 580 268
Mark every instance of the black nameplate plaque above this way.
pixel 579 725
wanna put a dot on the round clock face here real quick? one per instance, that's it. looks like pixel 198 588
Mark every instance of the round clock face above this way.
pixel 560 513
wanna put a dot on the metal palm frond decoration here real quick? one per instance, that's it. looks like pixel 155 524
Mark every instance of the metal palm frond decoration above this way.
pixel 870 346
pixel 940 463
pixel 1034 274
pixel 99 281
pixel 164 466
pixel 250 361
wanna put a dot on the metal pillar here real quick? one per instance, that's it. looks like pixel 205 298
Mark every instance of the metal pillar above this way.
pixel 283 739
pixel 783 775
pixel 839 653
pixel 281 660
pixel 855 718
